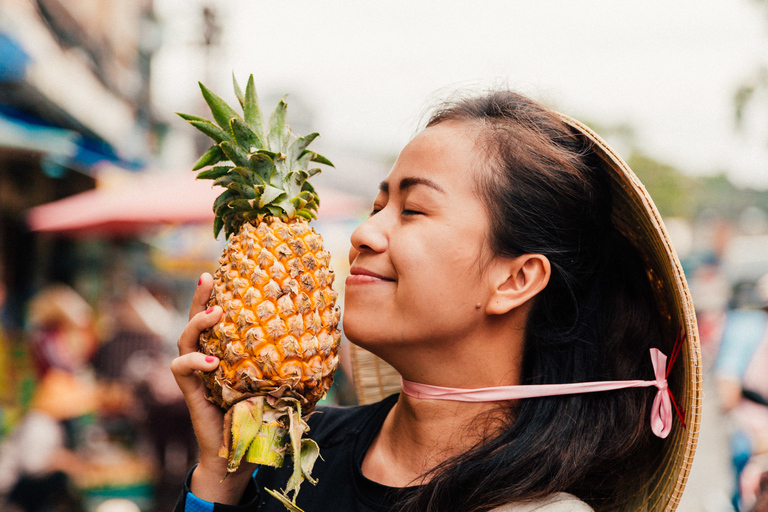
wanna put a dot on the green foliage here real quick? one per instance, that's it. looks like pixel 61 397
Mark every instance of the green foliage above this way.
pixel 679 195
pixel 673 192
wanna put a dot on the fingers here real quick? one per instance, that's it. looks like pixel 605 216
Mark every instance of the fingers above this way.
pixel 188 341
pixel 202 294
pixel 185 366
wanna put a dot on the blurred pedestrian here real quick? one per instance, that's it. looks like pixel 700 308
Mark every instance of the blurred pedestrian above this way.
pixel 742 386
pixel 61 330
pixel 146 406
pixel 38 461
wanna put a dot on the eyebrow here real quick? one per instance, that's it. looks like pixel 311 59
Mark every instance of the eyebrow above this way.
pixel 407 183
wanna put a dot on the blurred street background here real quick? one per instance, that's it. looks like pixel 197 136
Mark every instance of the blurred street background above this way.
pixel 104 230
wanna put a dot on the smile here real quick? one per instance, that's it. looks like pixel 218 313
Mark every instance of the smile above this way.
pixel 359 275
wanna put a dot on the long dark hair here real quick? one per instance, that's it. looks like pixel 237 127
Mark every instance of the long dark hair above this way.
pixel 595 320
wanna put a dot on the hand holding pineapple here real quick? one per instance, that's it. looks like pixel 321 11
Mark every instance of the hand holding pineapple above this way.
pixel 207 418
pixel 270 356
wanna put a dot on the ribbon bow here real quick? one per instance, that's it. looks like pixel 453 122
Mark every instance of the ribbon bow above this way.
pixel 661 413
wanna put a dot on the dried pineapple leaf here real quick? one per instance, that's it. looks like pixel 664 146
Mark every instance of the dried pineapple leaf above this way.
pixel 309 454
pixel 246 422
pixel 283 498
pixel 222 112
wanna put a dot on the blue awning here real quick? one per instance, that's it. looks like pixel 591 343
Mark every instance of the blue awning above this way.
pixel 62 148
pixel 13 59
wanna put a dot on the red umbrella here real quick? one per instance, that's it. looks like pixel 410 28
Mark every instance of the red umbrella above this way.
pixel 147 200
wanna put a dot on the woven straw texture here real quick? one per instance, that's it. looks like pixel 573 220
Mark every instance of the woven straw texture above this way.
pixel 637 218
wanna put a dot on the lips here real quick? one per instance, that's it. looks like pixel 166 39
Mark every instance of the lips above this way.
pixel 363 275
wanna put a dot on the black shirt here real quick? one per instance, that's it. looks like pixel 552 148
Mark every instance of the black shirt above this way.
pixel 344 436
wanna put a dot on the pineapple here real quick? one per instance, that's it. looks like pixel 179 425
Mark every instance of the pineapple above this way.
pixel 278 338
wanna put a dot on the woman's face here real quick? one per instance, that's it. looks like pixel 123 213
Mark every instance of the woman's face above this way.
pixel 416 273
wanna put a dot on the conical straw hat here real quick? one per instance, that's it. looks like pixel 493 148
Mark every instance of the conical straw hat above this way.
pixel 637 218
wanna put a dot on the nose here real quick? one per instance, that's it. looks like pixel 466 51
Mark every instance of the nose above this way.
pixel 370 236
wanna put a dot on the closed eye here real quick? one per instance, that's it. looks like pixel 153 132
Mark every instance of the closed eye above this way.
pixel 412 212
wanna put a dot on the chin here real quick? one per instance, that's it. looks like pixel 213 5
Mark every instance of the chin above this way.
pixel 364 333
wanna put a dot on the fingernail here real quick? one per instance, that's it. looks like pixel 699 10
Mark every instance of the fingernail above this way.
pixel 209 359
pixel 209 310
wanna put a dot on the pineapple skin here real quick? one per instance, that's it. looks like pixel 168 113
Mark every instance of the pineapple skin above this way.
pixel 279 335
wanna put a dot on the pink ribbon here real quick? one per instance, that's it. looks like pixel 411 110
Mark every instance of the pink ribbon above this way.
pixel 661 414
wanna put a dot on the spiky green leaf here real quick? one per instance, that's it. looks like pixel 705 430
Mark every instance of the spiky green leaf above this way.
pixel 212 156
pixel 235 153
pixel 217 225
pixel 287 207
pixel 211 130
pixel 251 109
pixel 263 166
pixel 226 180
pixel 221 111
pixel 278 132
pixel 241 204
pixel 231 224
pixel 270 195
pixel 238 91
pixel 248 176
pixel 214 173
pixel 190 117
pixel 308 187
pixel 223 200
pixel 245 137
pixel 321 160
pixel 300 145
pixel 243 190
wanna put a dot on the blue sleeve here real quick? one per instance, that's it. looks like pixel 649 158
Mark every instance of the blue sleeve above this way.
pixel 188 502
pixel 742 333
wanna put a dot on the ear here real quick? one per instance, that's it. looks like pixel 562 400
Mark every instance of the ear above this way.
pixel 515 281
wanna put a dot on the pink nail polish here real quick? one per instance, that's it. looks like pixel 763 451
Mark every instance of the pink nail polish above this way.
pixel 209 359
pixel 209 310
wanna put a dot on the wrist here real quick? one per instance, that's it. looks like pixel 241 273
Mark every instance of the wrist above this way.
pixel 208 483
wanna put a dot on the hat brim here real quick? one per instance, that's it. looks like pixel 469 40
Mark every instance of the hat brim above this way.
pixel 636 217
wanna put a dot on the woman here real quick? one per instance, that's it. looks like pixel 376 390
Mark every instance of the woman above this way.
pixel 491 259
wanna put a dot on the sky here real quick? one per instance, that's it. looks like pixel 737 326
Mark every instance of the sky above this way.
pixel 369 70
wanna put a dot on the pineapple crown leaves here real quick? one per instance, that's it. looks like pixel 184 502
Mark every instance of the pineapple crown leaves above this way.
pixel 263 167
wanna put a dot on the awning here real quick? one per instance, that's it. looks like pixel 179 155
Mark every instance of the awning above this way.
pixel 63 148
pixel 141 202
